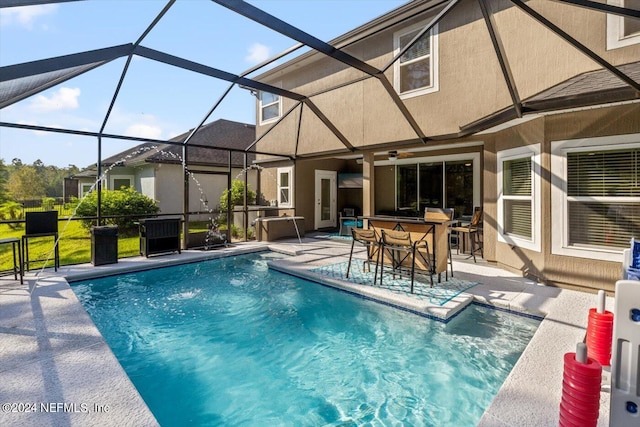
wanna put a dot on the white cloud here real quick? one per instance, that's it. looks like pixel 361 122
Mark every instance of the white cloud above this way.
pixel 142 130
pixel 258 53
pixel 65 98
pixel 25 16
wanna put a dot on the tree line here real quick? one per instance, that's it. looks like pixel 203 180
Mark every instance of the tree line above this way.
pixel 20 181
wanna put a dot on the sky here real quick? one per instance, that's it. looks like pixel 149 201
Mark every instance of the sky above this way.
pixel 156 100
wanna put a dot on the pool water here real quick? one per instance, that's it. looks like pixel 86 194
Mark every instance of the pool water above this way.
pixel 231 342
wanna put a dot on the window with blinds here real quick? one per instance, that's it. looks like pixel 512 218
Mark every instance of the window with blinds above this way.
pixel 414 70
pixel 517 197
pixel 603 197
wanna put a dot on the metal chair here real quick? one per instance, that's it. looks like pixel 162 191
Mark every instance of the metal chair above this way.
pixel 40 224
pixel 439 214
pixel 399 246
pixel 368 239
pixel 17 266
pixel 474 231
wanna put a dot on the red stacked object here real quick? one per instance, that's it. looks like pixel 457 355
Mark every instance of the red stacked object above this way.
pixel 600 336
pixel 580 404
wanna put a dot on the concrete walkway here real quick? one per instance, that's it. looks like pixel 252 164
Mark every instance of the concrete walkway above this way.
pixel 56 369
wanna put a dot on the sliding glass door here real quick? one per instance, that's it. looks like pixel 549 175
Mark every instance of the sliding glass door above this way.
pixel 441 184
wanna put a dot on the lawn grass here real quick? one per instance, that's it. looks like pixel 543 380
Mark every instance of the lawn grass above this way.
pixel 74 246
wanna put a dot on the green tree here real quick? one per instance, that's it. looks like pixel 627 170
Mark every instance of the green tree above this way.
pixel 127 204
pixel 237 195
pixel 25 183
pixel 4 176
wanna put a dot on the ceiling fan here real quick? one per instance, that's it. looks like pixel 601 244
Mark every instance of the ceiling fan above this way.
pixel 392 155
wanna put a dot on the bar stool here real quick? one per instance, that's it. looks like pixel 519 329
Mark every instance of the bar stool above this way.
pixel 400 247
pixel 474 232
pixel 17 267
pixel 368 239
pixel 439 214
pixel 41 224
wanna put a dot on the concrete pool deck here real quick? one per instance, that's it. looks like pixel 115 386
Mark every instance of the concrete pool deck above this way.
pixel 56 369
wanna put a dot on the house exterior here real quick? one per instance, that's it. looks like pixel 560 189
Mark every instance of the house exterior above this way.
pixel 529 110
pixel 155 170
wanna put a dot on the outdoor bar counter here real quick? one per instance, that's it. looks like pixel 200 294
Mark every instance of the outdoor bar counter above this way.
pixel 433 230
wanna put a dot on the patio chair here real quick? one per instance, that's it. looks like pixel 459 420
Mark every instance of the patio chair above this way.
pixel 438 214
pixel 40 224
pixel 368 239
pixel 348 220
pixel 474 233
pixel 400 248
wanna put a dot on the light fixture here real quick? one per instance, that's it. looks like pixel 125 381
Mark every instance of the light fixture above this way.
pixel 393 155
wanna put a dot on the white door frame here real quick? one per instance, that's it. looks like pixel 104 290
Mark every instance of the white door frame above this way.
pixel 322 175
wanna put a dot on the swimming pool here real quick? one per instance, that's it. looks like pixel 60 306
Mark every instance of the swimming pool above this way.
pixel 230 342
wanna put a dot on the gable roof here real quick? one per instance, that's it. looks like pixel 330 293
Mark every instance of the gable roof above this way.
pixel 224 134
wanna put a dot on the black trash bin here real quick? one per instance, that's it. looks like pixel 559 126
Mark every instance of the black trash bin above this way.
pixel 104 245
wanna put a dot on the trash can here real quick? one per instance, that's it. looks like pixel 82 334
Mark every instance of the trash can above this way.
pixel 104 245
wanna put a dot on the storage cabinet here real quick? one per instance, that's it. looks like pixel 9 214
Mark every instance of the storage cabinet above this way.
pixel 159 235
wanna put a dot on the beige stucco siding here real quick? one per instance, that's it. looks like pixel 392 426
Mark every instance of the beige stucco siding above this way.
pixel 169 188
pixel 589 124
pixel 471 83
pixel 565 270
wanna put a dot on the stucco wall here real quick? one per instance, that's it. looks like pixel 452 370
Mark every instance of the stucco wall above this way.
pixel 471 84
pixel 591 273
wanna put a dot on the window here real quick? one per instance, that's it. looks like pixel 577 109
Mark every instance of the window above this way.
pixel 407 182
pixel 439 182
pixel 416 71
pixel 622 30
pixel 285 187
pixel 119 181
pixel 85 188
pixel 270 107
pixel 518 198
pixel 597 202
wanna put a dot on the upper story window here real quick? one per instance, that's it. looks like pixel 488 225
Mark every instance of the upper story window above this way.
pixel 622 30
pixel 270 107
pixel 416 71
pixel 519 199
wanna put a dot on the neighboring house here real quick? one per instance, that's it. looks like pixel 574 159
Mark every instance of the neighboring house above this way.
pixel 490 107
pixel 155 170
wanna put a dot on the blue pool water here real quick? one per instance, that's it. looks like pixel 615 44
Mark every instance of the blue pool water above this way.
pixel 230 342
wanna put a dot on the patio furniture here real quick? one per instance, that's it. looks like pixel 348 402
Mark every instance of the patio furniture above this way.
pixel 37 225
pixel 402 250
pixel 279 227
pixel 17 266
pixel 431 214
pixel 368 239
pixel 472 233
pixel 104 245
pixel 159 235
pixel 348 220
pixel 433 233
